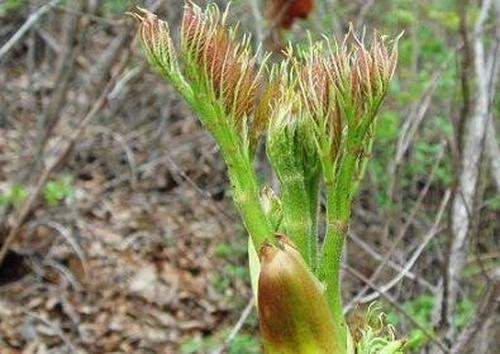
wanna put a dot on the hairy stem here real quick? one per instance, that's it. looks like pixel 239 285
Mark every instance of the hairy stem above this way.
pixel 337 214
pixel 241 172
pixel 312 186
pixel 296 218
pixel 246 198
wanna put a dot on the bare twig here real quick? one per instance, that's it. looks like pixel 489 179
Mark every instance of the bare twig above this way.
pixel 66 274
pixel 411 125
pixel 467 194
pixel 99 72
pixel 428 237
pixel 129 75
pixel 193 184
pixel 365 8
pixel 66 234
pixel 393 265
pixel 106 21
pixel 492 147
pixel 489 307
pixel 401 234
pixel 259 22
pixel 63 74
pixel 32 19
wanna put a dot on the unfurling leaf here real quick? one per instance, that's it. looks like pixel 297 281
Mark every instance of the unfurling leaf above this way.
pixel 217 61
pixel 159 49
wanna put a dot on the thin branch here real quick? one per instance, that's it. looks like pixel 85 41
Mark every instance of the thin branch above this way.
pixel 32 19
pixel 393 265
pixel 64 72
pixel 401 233
pixel 411 125
pixel 492 147
pixel 365 8
pixel 411 262
pixel 468 193
pixel 259 22
pixel 489 306
pixel 67 235
pixel 129 153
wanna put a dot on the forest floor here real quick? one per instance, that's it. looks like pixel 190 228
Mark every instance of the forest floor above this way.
pixel 135 245
pixel 123 268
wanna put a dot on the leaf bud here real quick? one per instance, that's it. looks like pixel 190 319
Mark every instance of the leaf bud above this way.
pixel 293 311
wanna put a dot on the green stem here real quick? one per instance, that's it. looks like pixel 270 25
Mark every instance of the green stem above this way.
pixel 296 219
pixel 240 170
pixel 246 198
pixel 312 186
pixel 338 213
pixel 287 162
pixel 362 166
pixel 342 194
pixel 330 267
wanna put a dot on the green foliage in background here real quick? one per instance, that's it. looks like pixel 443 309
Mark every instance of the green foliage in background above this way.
pixel 241 343
pixel 234 256
pixel 421 309
pixel 55 192
pixel 14 196
pixel 58 190
pixel 10 6
pixel 424 52
pixel 494 203
pixel 117 6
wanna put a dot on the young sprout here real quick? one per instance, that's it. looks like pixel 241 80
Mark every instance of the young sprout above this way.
pixel 215 58
pixel 317 109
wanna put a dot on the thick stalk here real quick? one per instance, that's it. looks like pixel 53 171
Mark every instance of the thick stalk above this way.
pixel 241 174
pixel 296 216
pixel 338 213
pixel 312 185
pixel 287 163
pixel 246 198
pixel 330 270
pixel 343 191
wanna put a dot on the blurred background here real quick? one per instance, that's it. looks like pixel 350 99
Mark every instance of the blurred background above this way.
pixel 117 230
